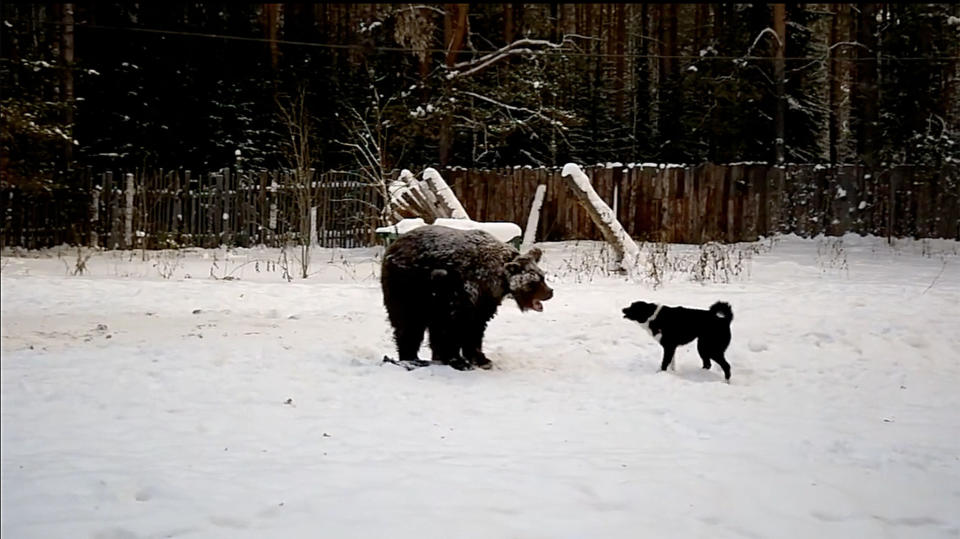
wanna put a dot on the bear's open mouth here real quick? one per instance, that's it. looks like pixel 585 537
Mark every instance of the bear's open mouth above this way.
pixel 537 305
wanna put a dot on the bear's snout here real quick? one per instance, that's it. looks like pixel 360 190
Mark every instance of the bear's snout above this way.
pixel 548 293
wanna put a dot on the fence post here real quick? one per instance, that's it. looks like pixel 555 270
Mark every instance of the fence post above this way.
pixel 226 237
pixel 177 207
pixel 94 216
pixel 261 208
pixel 313 227
pixel 210 238
pixel 128 213
pixel 272 223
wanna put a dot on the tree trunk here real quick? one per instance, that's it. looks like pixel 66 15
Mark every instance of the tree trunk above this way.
pixel 641 90
pixel 866 84
pixel 951 95
pixel 455 30
pixel 67 50
pixel 699 21
pixel 568 15
pixel 273 13
pixel 656 31
pixel 836 91
pixel 620 16
pixel 668 65
pixel 780 27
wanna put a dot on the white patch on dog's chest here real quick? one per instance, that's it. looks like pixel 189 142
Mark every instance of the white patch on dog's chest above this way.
pixel 656 336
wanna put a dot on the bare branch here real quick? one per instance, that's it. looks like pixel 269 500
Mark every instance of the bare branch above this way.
pixel 520 46
pixel 540 115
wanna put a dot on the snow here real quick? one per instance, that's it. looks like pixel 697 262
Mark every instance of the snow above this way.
pixel 503 231
pixel 402 226
pixel 135 405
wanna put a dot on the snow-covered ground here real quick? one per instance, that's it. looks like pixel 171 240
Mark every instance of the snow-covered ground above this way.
pixel 138 402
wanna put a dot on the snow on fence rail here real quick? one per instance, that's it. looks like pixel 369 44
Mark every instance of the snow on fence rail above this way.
pixel 688 204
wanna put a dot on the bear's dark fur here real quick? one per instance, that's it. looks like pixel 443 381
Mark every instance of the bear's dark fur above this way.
pixel 451 282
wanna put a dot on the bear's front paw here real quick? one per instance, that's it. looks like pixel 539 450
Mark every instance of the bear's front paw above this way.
pixel 483 363
pixel 460 364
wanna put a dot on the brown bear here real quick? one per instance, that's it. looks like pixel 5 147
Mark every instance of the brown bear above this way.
pixel 451 282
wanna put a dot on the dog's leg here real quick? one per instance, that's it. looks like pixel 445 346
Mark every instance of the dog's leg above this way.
pixel 668 357
pixel 723 365
pixel 704 354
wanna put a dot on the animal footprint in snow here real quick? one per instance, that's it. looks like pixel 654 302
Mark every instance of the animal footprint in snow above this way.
pixel 915 341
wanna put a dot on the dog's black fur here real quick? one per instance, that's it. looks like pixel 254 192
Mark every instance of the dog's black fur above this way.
pixel 676 326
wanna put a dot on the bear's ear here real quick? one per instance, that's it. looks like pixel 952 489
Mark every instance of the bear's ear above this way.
pixel 513 268
pixel 535 254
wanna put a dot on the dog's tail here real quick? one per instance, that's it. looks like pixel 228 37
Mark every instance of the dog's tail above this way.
pixel 722 310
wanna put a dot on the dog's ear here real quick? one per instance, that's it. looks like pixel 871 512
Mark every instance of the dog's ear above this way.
pixel 535 253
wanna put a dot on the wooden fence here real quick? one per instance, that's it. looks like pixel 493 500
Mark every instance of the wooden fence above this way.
pixel 696 204
pixel 691 204
pixel 166 209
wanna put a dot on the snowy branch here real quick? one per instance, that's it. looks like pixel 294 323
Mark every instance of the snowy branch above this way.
pixel 760 35
pixel 847 43
pixel 424 6
pixel 520 46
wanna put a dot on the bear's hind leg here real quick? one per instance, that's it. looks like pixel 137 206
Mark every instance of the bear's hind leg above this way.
pixel 408 336
pixel 445 347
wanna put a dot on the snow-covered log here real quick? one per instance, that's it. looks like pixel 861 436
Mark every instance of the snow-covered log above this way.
pixel 533 220
pixel 447 201
pixel 429 199
pixel 623 245
pixel 407 199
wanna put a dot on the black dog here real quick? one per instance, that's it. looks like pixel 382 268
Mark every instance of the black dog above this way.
pixel 675 326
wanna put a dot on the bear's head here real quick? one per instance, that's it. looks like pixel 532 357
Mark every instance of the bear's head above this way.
pixel 526 282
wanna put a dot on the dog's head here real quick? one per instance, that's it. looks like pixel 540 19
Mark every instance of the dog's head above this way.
pixel 526 282
pixel 639 311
